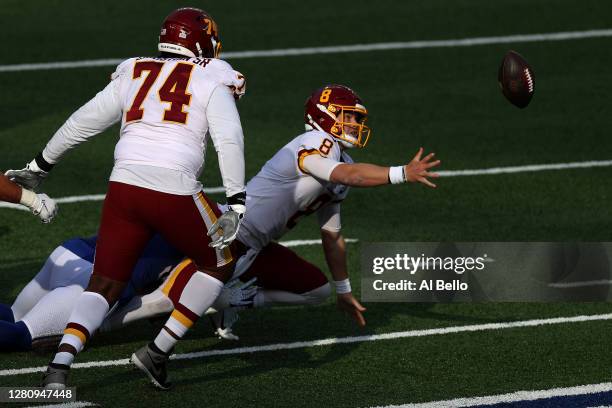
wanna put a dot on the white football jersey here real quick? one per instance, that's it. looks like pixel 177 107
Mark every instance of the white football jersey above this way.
pixel 167 108
pixel 283 192
pixel 164 105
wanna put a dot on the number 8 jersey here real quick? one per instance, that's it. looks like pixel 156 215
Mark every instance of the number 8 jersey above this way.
pixel 167 108
pixel 292 184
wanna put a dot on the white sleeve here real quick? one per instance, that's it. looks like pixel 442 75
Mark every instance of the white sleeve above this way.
pixel 318 166
pixel 329 217
pixel 226 133
pixel 92 118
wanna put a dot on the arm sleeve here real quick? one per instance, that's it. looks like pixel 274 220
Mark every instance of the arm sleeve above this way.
pixel 226 133
pixel 92 118
pixel 329 217
pixel 317 165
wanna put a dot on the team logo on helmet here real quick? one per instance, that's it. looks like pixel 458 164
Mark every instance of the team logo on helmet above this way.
pixel 338 110
pixel 190 32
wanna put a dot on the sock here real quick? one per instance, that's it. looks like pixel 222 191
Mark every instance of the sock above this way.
pixel 14 336
pixel 87 315
pixel 6 313
pixel 197 296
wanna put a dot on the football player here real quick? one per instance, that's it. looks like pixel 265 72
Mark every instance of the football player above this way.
pixel 42 308
pixel 311 174
pixel 39 314
pixel 40 204
pixel 168 105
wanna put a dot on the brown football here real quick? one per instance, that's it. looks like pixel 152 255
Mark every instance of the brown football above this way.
pixel 516 79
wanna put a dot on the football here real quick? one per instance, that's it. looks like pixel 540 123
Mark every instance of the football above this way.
pixel 516 79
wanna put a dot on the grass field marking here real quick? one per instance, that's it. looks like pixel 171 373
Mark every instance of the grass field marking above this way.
pixel 302 242
pixel 517 396
pixel 580 284
pixel 286 52
pixel 339 340
pixel 92 197
pixel 73 404
pixel 526 168
pixel 443 173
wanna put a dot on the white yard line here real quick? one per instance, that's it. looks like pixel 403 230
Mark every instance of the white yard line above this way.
pixel 443 173
pixel 74 404
pixel 526 169
pixel 339 340
pixel 581 284
pixel 285 52
pixel 511 397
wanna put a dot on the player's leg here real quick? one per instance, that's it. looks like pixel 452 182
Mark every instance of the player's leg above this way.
pixel 286 278
pixel 184 225
pixel 62 268
pixel 45 322
pixel 37 287
pixel 121 239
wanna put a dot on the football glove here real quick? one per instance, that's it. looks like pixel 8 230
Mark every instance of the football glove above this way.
pixel 32 175
pixel 40 204
pixel 228 224
pixel 227 227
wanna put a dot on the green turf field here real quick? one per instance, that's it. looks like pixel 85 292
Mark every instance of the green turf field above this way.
pixel 445 99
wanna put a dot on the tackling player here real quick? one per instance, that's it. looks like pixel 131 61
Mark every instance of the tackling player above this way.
pixel 168 105
pixel 40 204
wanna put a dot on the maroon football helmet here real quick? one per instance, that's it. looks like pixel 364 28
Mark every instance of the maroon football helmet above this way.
pixel 190 32
pixel 328 109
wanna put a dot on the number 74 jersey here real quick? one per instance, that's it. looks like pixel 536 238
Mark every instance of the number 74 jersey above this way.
pixel 284 191
pixel 165 107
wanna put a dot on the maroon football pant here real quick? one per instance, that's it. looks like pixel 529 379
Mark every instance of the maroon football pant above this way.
pixel 276 268
pixel 130 217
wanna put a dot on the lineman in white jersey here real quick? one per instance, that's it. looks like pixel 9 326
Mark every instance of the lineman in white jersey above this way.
pixel 309 174
pixel 167 106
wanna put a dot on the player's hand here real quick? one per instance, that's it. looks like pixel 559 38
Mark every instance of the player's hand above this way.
pixel 417 169
pixel 227 227
pixel 45 207
pixel 29 177
pixel 347 303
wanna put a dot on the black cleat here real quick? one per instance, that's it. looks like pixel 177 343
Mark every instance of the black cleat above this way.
pixel 153 363
pixel 55 377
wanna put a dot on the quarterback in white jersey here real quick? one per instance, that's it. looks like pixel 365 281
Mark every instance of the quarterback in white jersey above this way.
pixel 312 173
pixel 167 107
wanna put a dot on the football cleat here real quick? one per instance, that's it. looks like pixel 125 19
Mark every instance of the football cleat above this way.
pixel 55 377
pixel 153 364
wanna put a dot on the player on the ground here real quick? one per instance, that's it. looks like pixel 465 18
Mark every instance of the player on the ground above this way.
pixel 41 310
pixel 310 174
pixel 40 204
pixel 167 106
pixel 39 314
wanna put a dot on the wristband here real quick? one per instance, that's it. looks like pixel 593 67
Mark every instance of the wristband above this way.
pixel 343 286
pixel 42 163
pixel 28 198
pixel 396 175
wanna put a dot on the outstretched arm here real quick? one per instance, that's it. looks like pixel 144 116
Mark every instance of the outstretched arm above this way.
pixel 371 175
pixel 40 204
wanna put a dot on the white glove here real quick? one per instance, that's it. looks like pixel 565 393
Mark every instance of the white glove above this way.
pixel 29 177
pixel 227 226
pixel 40 204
